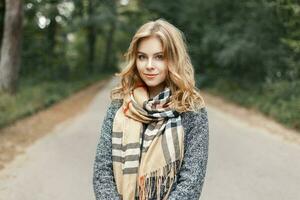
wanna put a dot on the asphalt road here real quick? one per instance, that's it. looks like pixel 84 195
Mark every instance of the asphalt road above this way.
pixel 245 162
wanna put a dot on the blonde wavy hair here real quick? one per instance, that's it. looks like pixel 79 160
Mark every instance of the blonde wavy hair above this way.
pixel 180 79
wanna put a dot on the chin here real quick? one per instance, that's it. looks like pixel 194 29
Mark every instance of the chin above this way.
pixel 151 83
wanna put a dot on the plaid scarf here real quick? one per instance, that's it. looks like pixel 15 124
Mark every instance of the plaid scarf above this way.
pixel 147 146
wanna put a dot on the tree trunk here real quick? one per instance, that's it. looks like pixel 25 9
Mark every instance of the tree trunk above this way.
pixel 11 46
pixel 108 50
pixel 51 34
pixel 2 11
pixel 51 40
pixel 107 62
pixel 79 8
pixel 91 37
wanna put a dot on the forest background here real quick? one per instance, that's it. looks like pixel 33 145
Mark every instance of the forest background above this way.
pixel 245 51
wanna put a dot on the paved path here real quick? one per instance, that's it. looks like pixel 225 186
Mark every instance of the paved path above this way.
pixel 245 163
pixel 59 166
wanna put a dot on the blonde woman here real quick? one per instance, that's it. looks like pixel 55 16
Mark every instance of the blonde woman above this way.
pixel 154 138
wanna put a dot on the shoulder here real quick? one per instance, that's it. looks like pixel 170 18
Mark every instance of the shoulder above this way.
pixel 116 103
pixel 113 107
pixel 192 117
pixel 195 120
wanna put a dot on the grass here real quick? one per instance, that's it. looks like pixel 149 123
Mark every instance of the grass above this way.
pixel 35 95
pixel 280 100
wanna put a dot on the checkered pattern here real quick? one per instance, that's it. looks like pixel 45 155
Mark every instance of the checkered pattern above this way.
pixel 160 140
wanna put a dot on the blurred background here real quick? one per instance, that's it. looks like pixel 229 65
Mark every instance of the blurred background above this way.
pixel 245 51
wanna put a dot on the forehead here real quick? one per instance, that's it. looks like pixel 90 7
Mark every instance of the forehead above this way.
pixel 150 45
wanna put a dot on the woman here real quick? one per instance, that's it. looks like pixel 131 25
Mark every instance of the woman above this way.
pixel 154 138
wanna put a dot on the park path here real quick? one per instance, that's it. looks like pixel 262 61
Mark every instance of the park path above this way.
pixel 245 162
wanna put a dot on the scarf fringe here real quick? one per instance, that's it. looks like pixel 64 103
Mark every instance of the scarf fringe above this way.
pixel 159 182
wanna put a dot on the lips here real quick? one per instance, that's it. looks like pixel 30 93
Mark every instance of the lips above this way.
pixel 150 75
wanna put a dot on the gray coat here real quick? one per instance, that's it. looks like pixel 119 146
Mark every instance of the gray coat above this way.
pixel 192 172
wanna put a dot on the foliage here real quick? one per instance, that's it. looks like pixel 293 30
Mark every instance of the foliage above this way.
pixel 279 100
pixel 247 51
pixel 252 47
pixel 57 37
pixel 35 95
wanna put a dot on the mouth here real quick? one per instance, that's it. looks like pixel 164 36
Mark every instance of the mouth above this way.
pixel 150 75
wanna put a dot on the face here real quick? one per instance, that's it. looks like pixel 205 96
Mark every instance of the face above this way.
pixel 152 64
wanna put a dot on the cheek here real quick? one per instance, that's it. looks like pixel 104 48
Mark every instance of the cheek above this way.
pixel 141 64
pixel 166 73
pixel 165 69
pixel 161 66
pixel 139 69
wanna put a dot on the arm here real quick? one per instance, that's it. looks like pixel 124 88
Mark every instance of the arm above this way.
pixel 192 173
pixel 103 178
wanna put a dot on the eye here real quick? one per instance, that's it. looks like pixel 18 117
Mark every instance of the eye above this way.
pixel 141 57
pixel 159 57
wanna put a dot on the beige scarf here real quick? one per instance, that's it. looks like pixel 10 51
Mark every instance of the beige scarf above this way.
pixel 151 173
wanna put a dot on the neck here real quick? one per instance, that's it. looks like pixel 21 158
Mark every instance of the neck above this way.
pixel 153 91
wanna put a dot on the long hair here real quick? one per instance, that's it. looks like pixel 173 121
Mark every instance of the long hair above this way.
pixel 180 79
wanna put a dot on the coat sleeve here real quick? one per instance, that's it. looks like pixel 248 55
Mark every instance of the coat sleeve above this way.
pixel 192 172
pixel 103 179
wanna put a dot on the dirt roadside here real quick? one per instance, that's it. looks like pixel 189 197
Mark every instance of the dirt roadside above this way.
pixel 16 137
pixel 252 117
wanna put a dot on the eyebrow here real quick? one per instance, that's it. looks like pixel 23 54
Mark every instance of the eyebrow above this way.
pixel 154 53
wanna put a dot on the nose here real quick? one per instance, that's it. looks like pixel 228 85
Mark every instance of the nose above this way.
pixel 149 64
